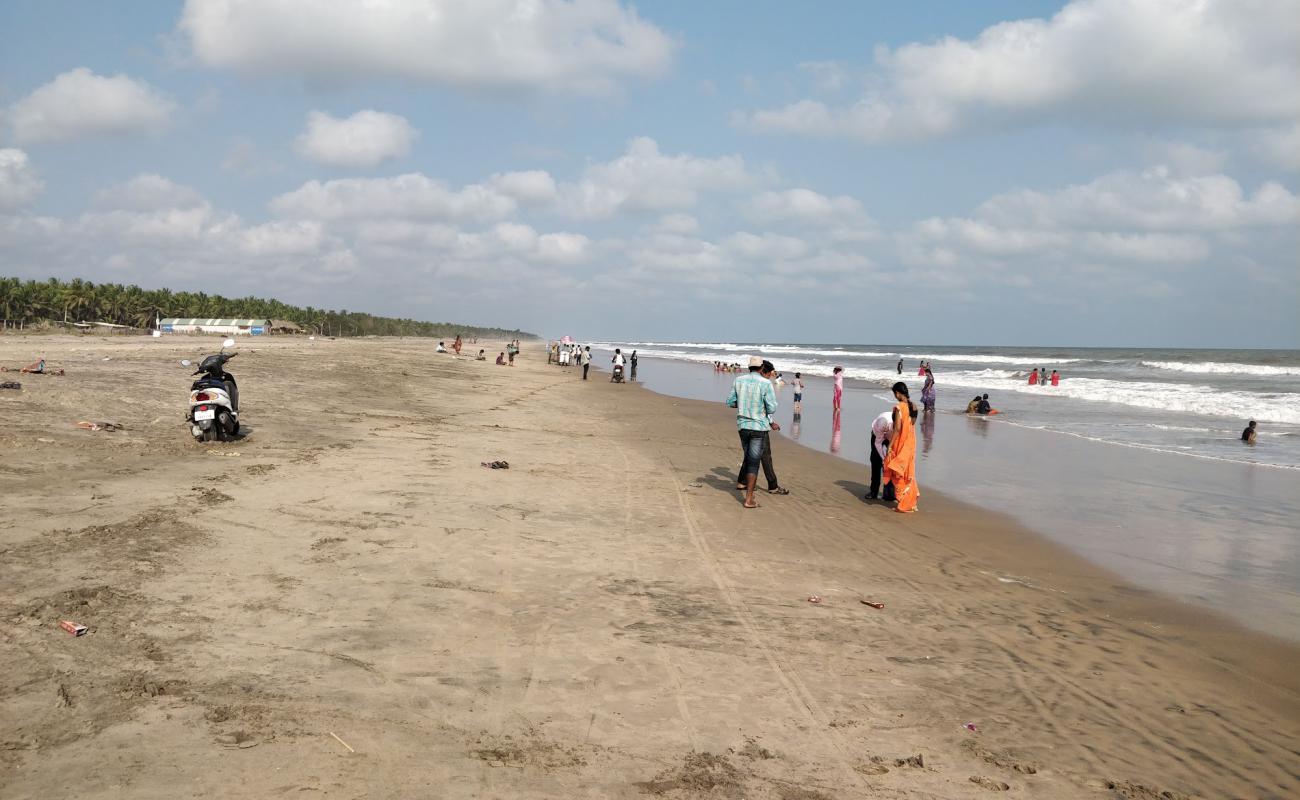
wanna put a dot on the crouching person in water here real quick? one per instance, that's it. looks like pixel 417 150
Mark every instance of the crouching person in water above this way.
pixel 900 463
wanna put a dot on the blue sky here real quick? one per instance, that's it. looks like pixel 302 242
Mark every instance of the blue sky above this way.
pixel 1093 173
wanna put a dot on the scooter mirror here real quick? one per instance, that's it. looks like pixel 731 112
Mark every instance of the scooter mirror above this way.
pixel 227 343
pixel 185 362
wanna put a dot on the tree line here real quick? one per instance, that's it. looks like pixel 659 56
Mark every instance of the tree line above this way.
pixel 31 303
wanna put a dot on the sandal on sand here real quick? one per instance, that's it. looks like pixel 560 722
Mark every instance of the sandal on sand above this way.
pixel 756 505
pixel 779 490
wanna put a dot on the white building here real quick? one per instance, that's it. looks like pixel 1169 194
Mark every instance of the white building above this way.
pixel 225 327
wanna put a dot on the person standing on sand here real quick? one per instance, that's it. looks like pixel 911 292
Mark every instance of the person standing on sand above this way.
pixel 838 398
pixel 586 362
pixel 754 399
pixel 900 462
pixel 456 345
pixel 632 363
pixel 769 472
pixel 1248 435
pixel 797 386
pixel 511 349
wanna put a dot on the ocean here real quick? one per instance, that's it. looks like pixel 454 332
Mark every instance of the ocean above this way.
pixel 1192 402
pixel 1134 462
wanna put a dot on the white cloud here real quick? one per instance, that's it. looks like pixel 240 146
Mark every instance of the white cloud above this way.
pixel 148 192
pixel 1152 247
pixel 766 246
pixel 1185 158
pixel 1152 200
pixel 587 46
pixel 563 247
pixel 19 183
pixel 532 187
pixel 1124 228
pixel 410 196
pixel 806 207
pixel 80 104
pixel 644 179
pixel 364 139
pixel 1210 62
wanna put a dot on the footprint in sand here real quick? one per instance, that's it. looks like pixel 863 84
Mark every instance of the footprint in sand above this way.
pixel 989 783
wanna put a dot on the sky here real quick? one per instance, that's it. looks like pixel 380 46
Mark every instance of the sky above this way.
pixel 1092 173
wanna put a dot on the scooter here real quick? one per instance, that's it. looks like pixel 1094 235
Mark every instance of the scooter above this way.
pixel 617 376
pixel 214 399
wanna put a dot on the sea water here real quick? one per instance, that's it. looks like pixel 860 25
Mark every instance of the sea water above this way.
pixel 1194 402
pixel 1135 461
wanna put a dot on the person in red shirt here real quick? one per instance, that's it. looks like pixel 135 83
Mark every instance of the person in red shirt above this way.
pixel 1056 378
pixel 1033 377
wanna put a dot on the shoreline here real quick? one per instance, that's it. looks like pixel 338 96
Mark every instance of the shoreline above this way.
pixel 603 619
pixel 1033 551
pixel 1214 535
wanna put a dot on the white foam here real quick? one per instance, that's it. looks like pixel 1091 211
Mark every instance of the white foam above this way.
pixel 1221 368
pixel 1281 407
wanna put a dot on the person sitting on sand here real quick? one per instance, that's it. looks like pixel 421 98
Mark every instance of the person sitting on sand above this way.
pixel 442 348
pixel 481 356
pixel 1248 435
pixel 501 359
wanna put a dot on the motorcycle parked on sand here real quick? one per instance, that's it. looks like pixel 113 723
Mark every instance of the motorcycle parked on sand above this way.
pixel 214 399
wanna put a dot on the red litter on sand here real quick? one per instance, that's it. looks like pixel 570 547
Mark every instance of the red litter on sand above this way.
pixel 873 605
pixel 970 726
pixel 72 627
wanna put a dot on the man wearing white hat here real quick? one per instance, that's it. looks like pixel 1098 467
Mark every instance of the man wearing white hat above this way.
pixel 754 399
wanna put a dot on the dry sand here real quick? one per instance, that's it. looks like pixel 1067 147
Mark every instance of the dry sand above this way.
pixel 601 620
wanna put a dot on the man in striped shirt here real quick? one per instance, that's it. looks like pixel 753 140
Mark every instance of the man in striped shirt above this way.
pixel 754 399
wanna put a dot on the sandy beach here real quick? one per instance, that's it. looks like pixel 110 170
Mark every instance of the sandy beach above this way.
pixel 347 604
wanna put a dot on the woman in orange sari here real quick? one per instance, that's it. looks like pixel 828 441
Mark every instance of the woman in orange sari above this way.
pixel 900 462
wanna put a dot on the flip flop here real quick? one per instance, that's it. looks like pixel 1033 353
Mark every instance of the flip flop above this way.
pixel 779 490
pixel 747 505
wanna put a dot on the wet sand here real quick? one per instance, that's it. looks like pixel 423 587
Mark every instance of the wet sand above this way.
pixel 1220 535
pixel 601 620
